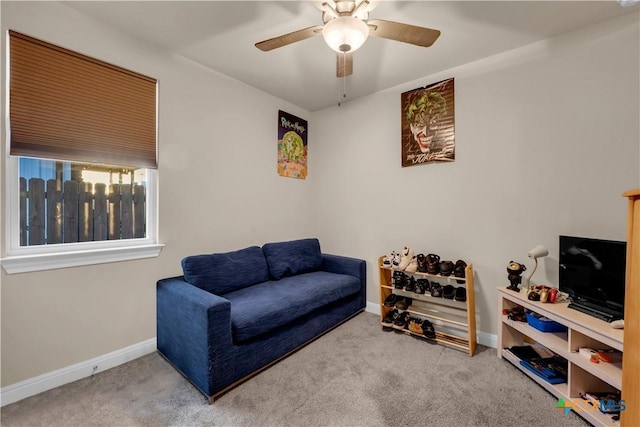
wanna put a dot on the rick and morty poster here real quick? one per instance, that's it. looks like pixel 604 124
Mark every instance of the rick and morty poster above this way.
pixel 292 146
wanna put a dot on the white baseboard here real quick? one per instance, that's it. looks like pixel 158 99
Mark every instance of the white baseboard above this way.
pixel 373 308
pixel 484 338
pixel 487 339
pixel 44 382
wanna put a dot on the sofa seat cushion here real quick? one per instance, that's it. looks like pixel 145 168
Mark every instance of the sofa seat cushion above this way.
pixel 263 307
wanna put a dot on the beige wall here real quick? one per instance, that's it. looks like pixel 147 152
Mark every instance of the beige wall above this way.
pixel 547 139
pixel 219 190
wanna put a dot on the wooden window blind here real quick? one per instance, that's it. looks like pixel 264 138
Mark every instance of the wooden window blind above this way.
pixel 68 106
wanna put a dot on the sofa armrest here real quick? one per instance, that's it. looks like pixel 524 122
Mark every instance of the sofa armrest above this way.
pixel 194 332
pixel 345 265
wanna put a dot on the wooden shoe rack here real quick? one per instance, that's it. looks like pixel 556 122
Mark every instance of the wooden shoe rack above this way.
pixel 454 321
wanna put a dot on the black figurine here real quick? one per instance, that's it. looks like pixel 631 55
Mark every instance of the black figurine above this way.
pixel 515 270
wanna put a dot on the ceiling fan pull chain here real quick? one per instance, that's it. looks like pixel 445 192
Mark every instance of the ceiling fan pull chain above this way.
pixel 344 78
pixel 342 56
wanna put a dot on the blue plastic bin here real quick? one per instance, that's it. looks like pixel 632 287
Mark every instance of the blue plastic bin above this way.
pixel 544 324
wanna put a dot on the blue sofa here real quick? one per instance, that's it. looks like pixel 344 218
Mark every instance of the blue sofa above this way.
pixel 233 314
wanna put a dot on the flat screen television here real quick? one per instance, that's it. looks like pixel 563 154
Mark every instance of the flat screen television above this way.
pixel 592 272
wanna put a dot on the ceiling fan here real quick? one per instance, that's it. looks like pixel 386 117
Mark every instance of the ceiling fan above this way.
pixel 346 28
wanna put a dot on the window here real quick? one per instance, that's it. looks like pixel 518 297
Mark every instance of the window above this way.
pixel 64 202
pixel 81 179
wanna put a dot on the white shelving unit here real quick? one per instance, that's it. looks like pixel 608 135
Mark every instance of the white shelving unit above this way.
pixel 582 331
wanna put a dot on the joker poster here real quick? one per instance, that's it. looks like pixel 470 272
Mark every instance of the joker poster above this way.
pixel 428 125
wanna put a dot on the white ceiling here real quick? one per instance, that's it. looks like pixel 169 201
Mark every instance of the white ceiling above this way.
pixel 221 35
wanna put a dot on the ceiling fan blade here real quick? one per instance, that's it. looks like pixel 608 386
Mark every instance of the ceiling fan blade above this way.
pixel 344 65
pixel 286 39
pixel 406 33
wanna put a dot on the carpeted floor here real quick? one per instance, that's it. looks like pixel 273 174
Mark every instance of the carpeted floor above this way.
pixel 357 375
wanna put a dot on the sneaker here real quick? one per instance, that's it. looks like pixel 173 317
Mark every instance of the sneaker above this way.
pixel 390 318
pixel 448 291
pixel 415 325
pixel 391 300
pixel 421 260
pixel 401 321
pixel 403 303
pixel 422 286
pixel 413 266
pixel 398 279
pixel 458 270
pixel 410 284
pixel 388 260
pixel 433 264
pixel 436 290
pixel 446 268
pixel 405 258
pixel 428 330
pixel 395 262
pixel 461 294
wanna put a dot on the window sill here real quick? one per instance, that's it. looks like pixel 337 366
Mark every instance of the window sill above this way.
pixel 50 261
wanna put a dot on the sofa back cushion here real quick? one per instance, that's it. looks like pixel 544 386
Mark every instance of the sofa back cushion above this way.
pixel 226 272
pixel 293 257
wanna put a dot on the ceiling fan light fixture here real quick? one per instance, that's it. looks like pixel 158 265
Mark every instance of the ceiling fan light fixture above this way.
pixel 345 34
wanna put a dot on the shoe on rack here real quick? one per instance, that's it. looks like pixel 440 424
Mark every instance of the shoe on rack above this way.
pixel 413 265
pixel 401 321
pixel 458 270
pixel 422 286
pixel 448 292
pixel 415 325
pixel 395 261
pixel 433 264
pixel 398 279
pixel 390 318
pixel 436 289
pixel 403 303
pixel 387 261
pixel 428 330
pixel 405 258
pixel 391 300
pixel 446 268
pixel 461 294
pixel 421 260
pixel 410 284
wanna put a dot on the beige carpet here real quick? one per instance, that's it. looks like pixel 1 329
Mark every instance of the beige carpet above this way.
pixel 357 375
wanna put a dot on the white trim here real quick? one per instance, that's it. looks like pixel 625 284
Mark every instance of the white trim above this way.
pixel 59 377
pixel 50 261
pixel 373 308
pixel 487 339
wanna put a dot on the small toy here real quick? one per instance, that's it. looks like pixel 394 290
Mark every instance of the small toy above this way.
pixel 515 270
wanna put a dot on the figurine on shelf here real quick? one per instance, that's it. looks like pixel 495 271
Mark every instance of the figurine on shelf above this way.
pixel 515 270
